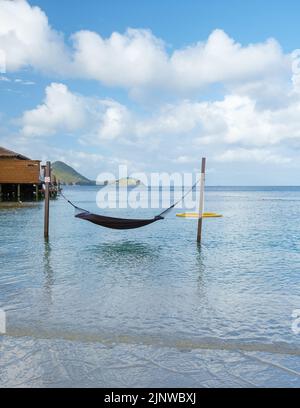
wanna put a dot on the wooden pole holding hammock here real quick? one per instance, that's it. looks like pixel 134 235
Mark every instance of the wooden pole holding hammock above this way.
pixel 47 198
pixel 201 204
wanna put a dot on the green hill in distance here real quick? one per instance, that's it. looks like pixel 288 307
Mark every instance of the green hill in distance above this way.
pixel 67 175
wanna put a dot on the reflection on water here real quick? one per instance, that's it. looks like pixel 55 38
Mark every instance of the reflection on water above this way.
pixel 48 272
pixel 124 250
pixel 92 303
pixel 200 258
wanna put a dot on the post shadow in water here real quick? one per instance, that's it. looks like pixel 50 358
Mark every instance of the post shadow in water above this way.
pixel 125 260
pixel 201 268
pixel 48 272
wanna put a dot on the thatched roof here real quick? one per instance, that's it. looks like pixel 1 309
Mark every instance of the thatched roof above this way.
pixel 9 154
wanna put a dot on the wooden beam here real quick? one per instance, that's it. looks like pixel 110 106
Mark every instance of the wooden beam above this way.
pixel 13 171
pixel 19 192
pixel 47 198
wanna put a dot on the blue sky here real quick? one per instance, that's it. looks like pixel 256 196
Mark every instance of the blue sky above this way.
pixel 181 22
pixel 154 85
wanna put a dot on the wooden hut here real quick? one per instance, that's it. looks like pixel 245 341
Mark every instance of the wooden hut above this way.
pixel 19 177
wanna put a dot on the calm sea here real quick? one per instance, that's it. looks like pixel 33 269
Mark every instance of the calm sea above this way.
pixel 144 308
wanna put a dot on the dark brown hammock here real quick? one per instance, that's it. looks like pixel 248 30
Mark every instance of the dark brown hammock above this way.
pixel 121 223
pixel 116 223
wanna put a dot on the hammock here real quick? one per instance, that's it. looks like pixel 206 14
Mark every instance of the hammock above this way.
pixel 121 223
pixel 116 223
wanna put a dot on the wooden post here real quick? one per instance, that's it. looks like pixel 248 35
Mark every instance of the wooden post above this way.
pixel 19 192
pixel 47 197
pixel 37 192
pixel 0 192
pixel 201 204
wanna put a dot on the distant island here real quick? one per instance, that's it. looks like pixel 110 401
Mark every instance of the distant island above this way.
pixel 66 175
pixel 128 182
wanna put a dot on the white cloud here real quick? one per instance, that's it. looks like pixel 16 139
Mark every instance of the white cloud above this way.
pixel 27 39
pixel 251 155
pixel 61 111
pixel 221 59
pixel 4 79
pixel 135 60
pixel 113 122
pixel 24 82
pixel 231 131
pixel 258 119
pixel 184 160
pixel 235 120
pixel 245 124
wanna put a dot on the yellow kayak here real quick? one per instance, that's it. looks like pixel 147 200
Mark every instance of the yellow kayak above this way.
pixel 195 215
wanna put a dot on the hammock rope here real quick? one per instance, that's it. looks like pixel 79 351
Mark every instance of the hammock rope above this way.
pixel 123 223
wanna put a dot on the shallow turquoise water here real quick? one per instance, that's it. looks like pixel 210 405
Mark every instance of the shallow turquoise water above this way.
pixel 95 307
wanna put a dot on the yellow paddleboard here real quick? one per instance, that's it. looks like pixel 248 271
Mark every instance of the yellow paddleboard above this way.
pixel 195 215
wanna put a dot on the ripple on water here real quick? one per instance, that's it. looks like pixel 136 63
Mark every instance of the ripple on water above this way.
pixel 153 292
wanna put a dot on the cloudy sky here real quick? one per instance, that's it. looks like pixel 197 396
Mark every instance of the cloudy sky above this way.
pixel 155 85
